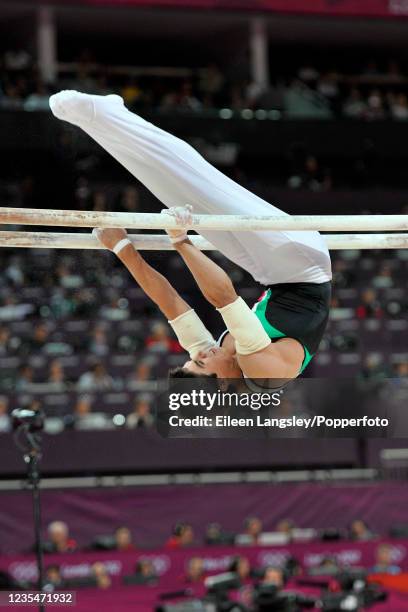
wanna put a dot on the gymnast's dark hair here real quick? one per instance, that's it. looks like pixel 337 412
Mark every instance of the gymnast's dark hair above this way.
pixel 184 373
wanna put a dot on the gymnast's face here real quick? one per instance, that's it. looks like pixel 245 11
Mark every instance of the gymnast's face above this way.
pixel 216 360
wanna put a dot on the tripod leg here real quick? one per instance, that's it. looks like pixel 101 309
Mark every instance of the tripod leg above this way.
pixel 34 478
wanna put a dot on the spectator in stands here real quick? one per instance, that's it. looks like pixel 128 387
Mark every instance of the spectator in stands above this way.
pixel 61 304
pixel 53 578
pixel 384 561
pixel 214 535
pixel 131 92
pixel 99 201
pixel 327 566
pixel 360 531
pixel 12 99
pixel 83 406
pixel 401 370
pixel 399 107
pixel 274 576
pixel 6 341
pixel 86 419
pixel 40 338
pixel 85 303
pixel 141 415
pixel 117 310
pixel 328 86
pixel 5 420
pixel 241 566
pixel 195 570
pixel 56 377
pixel 83 80
pixel 383 280
pixel 66 277
pixel 188 99
pixel 142 378
pixel 337 312
pixel 38 99
pixel 25 378
pixel 302 102
pixel 375 106
pixel 183 99
pixel 145 572
pixel 96 379
pixel 14 272
pixel 311 177
pixel 160 340
pixel 99 343
pixel 253 529
pixel 374 370
pixel 355 106
pixel 83 192
pixel 13 310
pixel 308 74
pixel 123 539
pixel 129 201
pixel 343 275
pixel 182 536
pixel 369 306
pixel 211 85
pixel 58 539
pixel 285 526
pixel 100 573
pixel 292 567
pixel 17 60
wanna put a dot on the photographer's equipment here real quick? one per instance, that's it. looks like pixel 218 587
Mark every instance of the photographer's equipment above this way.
pixel 138 579
pixel 103 542
pixel 269 598
pixel 331 535
pixel 221 583
pixel 27 425
pixel 399 531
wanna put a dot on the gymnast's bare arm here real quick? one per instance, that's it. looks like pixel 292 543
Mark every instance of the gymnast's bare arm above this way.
pixel 156 287
pixel 214 283
pixel 282 359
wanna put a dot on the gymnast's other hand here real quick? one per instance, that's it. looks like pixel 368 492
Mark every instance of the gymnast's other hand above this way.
pixel 110 237
pixel 184 217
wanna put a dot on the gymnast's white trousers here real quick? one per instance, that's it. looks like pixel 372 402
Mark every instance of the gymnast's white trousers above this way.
pixel 178 175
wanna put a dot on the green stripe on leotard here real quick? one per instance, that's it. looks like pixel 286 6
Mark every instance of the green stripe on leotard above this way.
pixel 273 332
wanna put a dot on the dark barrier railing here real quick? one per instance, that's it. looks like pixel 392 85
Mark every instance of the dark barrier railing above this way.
pixel 350 8
pixel 145 452
pixel 348 139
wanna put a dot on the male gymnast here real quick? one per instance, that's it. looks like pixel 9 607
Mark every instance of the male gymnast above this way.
pixel 278 337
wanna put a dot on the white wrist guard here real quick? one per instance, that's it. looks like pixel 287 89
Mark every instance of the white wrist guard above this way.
pixel 192 333
pixel 245 327
pixel 121 245
pixel 178 238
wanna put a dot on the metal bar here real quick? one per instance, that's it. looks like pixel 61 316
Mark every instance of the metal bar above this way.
pixel 152 242
pixel 73 218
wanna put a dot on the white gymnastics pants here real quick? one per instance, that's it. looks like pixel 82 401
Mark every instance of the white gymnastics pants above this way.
pixel 178 175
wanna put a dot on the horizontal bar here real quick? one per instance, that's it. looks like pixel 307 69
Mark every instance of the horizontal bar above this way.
pixel 74 218
pixel 151 242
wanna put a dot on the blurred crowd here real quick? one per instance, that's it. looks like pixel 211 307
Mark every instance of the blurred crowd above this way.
pixel 59 540
pixel 76 325
pixel 374 92
pixel 183 535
